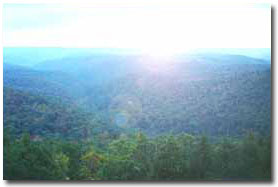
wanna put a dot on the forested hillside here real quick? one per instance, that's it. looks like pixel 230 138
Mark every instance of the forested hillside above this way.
pixel 134 117
pixel 44 117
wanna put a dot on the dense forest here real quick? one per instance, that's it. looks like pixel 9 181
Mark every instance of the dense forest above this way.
pixel 102 116
pixel 137 157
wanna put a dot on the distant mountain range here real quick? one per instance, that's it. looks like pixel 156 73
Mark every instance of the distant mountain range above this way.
pixel 33 56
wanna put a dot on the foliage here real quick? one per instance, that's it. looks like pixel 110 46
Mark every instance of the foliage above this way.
pixel 113 117
pixel 137 157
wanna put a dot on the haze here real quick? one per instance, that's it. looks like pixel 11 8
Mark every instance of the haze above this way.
pixel 154 29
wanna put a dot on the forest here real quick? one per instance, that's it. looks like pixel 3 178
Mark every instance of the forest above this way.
pixel 137 157
pixel 105 116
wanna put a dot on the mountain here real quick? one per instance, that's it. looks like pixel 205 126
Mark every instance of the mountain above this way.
pixel 49 117
pixel 98 69
pixel 214 103
pixel 230 59
pixel 210 94
pixel 257 53
pixel 49 83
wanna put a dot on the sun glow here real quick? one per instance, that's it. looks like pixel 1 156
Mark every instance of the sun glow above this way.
pixel 162 51
pixel 158 62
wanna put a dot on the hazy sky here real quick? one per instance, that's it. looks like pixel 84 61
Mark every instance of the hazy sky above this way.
pixel 148 27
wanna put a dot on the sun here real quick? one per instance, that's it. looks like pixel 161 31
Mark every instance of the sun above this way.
pixel 157 61
pixel 161 55
pixel 160 58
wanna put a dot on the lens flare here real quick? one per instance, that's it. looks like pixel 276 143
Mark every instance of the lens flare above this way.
pixel 125 110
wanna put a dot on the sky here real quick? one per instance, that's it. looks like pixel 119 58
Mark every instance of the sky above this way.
pixel 152 27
